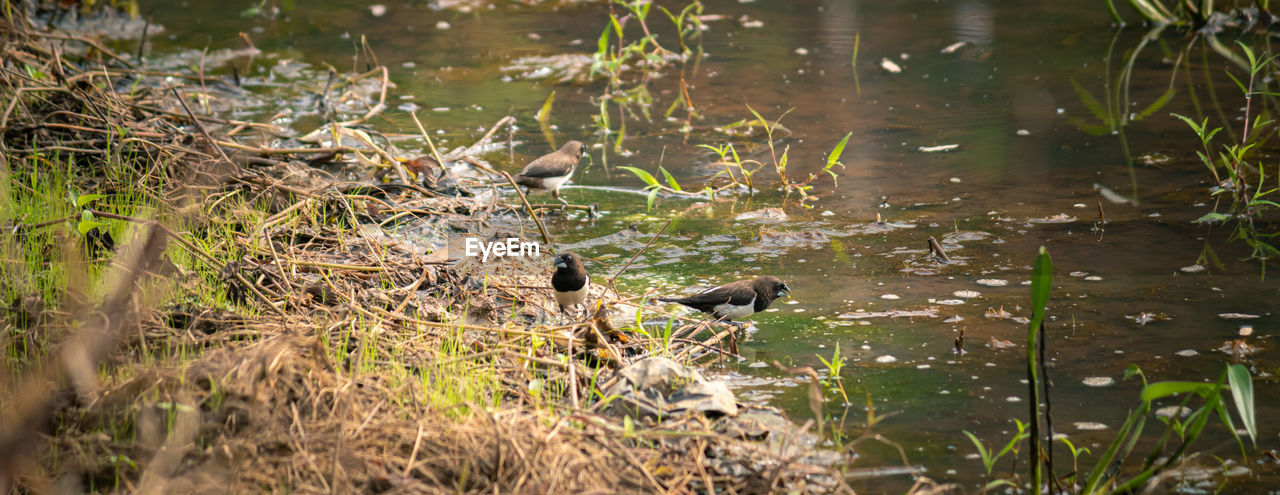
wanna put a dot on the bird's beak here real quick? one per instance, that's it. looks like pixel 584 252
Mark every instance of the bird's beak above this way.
pixel 560 264
pixel 786 291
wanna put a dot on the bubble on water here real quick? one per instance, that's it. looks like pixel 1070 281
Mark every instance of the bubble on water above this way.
pixel 993 282
pixel 923 366
pixel 1089 426
pixel 758 364
pixel 1098 381
pixel 1078 274
pixel 1246 330
pixel 967 294
pixel 1170 411
pixel 1187 352
pixel 1093 278
pixel 1193 269
pixel 1013 398
pixel 950 302
pixel 890 297
pixel 886 359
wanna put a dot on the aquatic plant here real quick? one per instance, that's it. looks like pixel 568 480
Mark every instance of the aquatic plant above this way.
pixel 644 56
pixel 1106 476
pixel 1233 171
pixel 740 173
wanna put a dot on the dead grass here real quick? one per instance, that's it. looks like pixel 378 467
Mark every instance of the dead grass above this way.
pixel 251 332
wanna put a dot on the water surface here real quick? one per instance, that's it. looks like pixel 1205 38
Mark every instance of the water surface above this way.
pixel 1024 175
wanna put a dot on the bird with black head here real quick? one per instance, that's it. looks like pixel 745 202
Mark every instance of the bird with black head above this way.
pixel 570 282
pixel 736 300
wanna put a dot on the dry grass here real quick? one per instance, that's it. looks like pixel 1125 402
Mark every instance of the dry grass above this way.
pixel 251 333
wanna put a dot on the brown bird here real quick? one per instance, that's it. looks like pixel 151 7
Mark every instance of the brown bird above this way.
pixel 736 300
pixel 552 170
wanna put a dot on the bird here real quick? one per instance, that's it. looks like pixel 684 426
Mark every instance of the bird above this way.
pixel 570 282
pixel 552 170
pixel 736 300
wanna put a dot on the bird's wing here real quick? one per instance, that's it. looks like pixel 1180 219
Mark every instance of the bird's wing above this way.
pixel 547 167
pixel 737 293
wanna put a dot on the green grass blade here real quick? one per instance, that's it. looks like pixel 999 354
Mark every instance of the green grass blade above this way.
pixel 1242 394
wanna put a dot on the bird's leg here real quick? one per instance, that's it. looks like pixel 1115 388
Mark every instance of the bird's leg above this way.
pixel 561 320
pixel 555 193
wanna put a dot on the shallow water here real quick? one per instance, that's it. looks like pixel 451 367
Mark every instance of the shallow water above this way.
pixel 1024 175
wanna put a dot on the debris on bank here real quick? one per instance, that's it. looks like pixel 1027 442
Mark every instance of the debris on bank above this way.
pixel 259 321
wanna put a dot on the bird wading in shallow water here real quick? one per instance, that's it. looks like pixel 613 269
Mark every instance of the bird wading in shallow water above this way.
pixel 552 170
pixel 736 300
pixel 570 281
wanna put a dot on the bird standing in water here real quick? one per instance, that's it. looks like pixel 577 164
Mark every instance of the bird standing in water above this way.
pixel 550 171
pixel 570 282
pixel 736 300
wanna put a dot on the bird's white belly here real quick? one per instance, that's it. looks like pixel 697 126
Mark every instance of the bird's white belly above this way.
pixel 734 312
pixel 573 297
pixel 554 183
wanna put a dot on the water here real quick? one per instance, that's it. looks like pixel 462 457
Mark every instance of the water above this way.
pixel 1006 98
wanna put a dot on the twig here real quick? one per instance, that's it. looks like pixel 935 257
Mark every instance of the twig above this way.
pixel 936 250
pixel 573 377
pixel 427 137
pixel 641 251
pixel 200 126
pixel 545 236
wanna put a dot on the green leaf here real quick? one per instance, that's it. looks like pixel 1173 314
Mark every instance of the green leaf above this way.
pixel 87 223
pixel 670 180
pixel 613 19
pixel 653 194
pixel 1242 394
pixel 1155 106
pixel 1161 390
pixel 643 175
pixel 834 157
pixel 760 119
pixel 85 199
pixel 1198 128
pixel 1212 217
pixel 1263 202
pixel 1253 60
pixel 982 451
pixel 544 120
pixel 1095 107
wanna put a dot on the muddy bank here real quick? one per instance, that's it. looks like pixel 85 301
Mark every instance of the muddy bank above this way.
pixel 197 301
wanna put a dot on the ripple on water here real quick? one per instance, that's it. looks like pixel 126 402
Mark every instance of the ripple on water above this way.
pixel 1059 218
pixel 964 235
pixel 764 214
